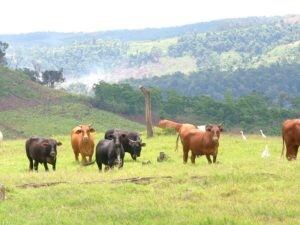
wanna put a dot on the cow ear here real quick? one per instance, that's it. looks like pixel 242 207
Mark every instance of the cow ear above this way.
pixel 221 128
pixel 208 127
pixel 59 143
pixel 78 131
pixel 143 144
pixel 92 130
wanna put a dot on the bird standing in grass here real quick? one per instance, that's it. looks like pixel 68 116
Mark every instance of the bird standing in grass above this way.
pixel 243 136
pixel 265 153
pixel 262 134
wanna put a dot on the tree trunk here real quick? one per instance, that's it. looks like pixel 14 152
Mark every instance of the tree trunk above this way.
pixel 148 112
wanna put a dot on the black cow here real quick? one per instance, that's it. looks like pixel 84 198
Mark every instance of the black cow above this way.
pixel 132 143
pixel 41 150
pixel 110 152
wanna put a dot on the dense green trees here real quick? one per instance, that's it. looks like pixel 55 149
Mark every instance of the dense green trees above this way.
pixel 280 83
pixel 238 47
pixel 50 77
pixel 249 112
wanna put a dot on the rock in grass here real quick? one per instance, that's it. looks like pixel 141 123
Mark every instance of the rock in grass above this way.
pixel 146 162
pixel 162 157
pixel 2 192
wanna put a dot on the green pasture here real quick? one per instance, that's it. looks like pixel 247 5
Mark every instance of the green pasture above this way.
pixel 242 188
pixel 58 119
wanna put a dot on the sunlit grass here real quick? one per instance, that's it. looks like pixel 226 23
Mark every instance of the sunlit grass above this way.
pixel 242 189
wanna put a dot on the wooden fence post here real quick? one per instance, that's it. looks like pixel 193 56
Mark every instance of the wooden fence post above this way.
pixel 148 112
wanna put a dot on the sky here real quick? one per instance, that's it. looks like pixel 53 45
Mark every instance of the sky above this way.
pixel 24 16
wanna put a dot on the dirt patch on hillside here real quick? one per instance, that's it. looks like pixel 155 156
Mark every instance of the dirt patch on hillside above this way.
pixel 14 102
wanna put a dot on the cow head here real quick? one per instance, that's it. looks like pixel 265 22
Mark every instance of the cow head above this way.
pixel 136 146
pixel 215 131
pixel 85 131
pixel 50 147
pixel 119 150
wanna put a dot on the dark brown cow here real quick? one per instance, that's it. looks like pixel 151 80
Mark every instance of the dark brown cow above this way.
pixel 291 138
pixel 202 143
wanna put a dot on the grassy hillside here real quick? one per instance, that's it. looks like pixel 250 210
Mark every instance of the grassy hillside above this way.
pixel 27 108
pixel 242 189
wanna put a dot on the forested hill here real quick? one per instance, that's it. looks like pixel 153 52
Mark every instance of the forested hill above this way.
pixel 280 83
pixel 56 38
pixel 226 45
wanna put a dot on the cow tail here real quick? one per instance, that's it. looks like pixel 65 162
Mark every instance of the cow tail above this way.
pixel 88 163
pixel 282 152
pixel 176 148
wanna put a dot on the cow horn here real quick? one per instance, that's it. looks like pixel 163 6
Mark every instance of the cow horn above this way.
pixel 221 124
pixel 132 140
pixel 90 124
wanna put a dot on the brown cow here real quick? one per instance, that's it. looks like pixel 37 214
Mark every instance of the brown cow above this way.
pixel 202 143
pixel 291 138
pixel 169 124
pixel 83 142
pixel 183 130
pixel 180 128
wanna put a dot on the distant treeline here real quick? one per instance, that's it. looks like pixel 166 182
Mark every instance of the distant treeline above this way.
pixel 248 112
pixel 280 83
pixel 239 48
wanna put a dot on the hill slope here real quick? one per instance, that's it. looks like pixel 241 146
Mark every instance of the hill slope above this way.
pixel 27 108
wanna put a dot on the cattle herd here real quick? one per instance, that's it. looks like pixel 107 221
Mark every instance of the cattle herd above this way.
pixel 110 151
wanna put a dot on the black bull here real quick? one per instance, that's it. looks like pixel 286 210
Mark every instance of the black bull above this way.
pixel 110 152
pixel 41 150
pixel 132 143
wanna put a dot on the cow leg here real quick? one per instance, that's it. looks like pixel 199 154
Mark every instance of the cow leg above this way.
pixel 30 164
pixel 36 165
pixel 90 158
pixel 208 159
pixel 214 158
pixel 76 156
pixel 99 166
pixel 134 158
pixel 185 155
pixel 296 153
pixel 84 161
pixel 291 152
pixel 54 166
pixel 193 156
pixel 106 168
pixel 46 166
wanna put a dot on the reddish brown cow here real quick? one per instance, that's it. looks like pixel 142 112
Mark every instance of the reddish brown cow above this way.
pixel 169 124
pixel 83 142
pixel 202 143
pixel 183 130
pixel 291 138
pixel 180 128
